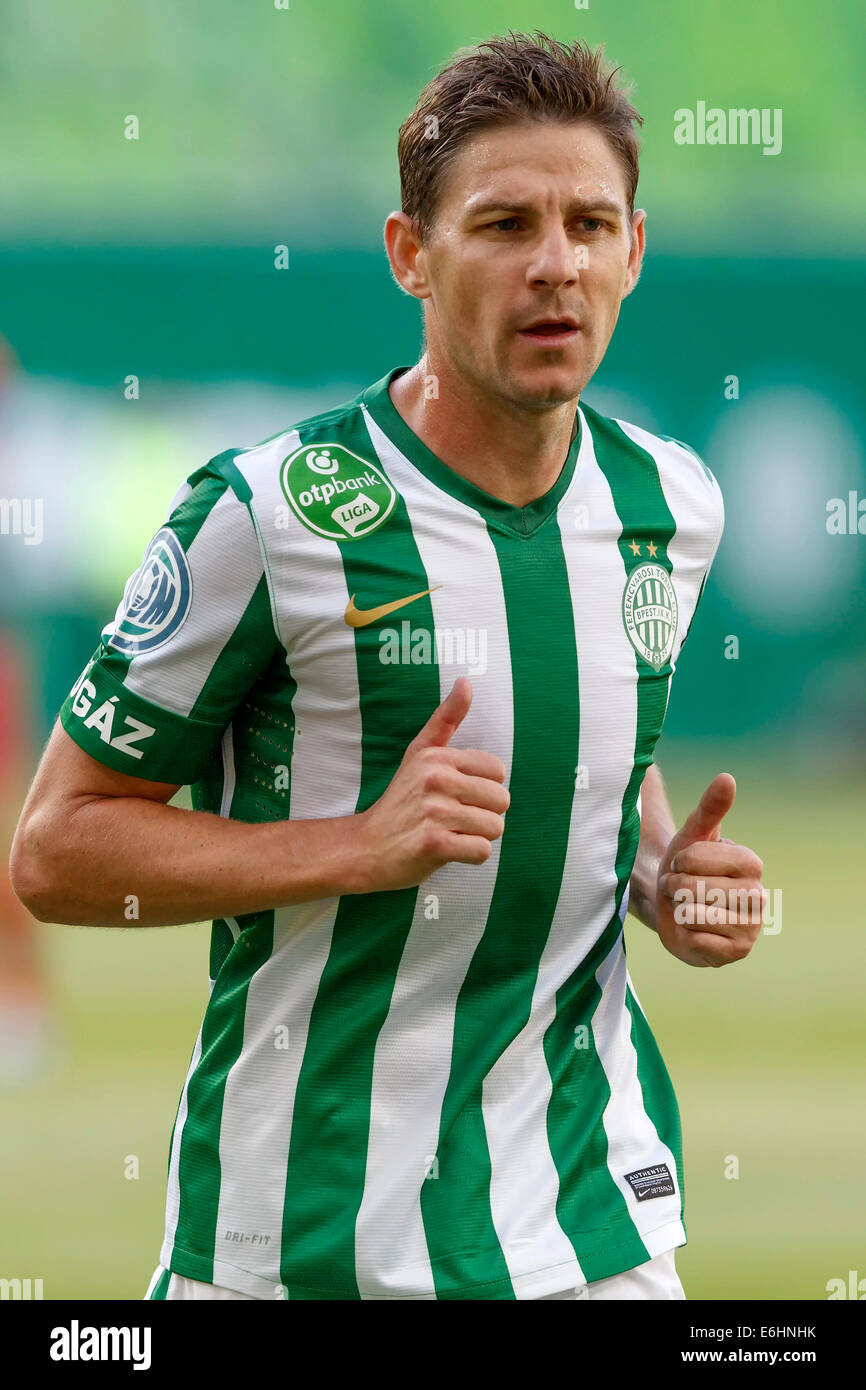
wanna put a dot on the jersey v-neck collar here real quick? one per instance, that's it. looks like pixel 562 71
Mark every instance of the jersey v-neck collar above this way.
pixel 523 521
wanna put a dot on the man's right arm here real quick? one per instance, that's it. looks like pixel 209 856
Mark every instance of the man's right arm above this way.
pixel 90 839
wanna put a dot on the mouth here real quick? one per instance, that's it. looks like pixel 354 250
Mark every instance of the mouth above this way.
pixel 551 332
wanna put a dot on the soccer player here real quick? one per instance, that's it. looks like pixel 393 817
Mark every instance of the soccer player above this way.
pixel 413 656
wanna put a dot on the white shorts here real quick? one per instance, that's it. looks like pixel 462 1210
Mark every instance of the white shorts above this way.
pixel 657 1279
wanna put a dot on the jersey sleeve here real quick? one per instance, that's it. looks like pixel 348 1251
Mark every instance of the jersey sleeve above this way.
pixel 192 634
pixel 715 535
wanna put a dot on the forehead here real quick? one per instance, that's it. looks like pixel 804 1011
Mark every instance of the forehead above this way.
pixel 532 159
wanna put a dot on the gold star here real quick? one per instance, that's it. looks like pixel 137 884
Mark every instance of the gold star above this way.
pixel 635 548
pixel 652 550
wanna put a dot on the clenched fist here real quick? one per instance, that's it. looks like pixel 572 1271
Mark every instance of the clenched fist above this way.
pixel 443 804
pixel 710 895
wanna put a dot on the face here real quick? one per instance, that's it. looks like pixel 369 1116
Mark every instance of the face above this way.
pixel 530 257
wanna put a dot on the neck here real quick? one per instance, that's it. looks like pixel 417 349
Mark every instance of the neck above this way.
pixel 513 454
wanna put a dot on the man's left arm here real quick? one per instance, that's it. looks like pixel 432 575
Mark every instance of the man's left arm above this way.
pixel 701 893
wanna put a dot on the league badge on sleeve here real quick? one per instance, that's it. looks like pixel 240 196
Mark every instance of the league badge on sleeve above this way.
pixel 157 598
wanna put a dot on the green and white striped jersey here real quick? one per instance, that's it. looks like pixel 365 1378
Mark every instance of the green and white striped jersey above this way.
pixel 448 1091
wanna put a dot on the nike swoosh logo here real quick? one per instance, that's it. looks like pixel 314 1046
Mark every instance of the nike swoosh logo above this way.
pixel 362 617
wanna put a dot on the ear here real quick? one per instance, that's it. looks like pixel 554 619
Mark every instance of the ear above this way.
pixel 406 255
pixel 638 246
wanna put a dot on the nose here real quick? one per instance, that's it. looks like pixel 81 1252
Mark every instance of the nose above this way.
pixel 555 261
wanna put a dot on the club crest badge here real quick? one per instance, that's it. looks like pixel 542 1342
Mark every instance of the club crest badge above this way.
pixel 649 612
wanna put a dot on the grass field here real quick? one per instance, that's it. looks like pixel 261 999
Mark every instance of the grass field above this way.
pixel 767 1057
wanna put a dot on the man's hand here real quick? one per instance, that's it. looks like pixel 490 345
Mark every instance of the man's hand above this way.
pixel 720 921
pixel 442 805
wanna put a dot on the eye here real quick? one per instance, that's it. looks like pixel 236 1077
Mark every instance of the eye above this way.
pixel 596 220
pixel 505 224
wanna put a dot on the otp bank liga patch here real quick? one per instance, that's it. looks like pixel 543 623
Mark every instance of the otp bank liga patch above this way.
pixel 335 493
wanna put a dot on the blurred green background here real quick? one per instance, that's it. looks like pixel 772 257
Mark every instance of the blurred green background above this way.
pixel 154 258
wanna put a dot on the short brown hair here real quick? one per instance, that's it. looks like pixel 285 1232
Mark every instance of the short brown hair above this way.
pixel 515 78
